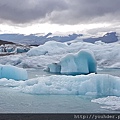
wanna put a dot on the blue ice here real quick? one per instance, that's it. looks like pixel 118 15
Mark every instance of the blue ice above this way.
pixel 82 62
pixel 12 72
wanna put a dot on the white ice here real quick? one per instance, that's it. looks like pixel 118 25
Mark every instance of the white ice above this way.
pixel 106 55
pixel 50 47
pixel 110 102
pixel 12 72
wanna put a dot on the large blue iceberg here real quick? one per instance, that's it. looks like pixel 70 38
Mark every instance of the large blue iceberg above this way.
pixel 81 63
pixel 12 72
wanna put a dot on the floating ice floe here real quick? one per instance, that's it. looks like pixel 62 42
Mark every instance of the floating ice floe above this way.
pixel 110 102
pixel 92 84
pixel 12 72
pixel 81 63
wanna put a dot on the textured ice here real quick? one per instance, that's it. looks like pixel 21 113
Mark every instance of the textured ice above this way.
pixel 12 72
pixel 14 48
pixel 107 55
pixel 92 84
pixel 110 102
pixel 54 68
pixel 21 49
pixel 50 47
pixel 81 63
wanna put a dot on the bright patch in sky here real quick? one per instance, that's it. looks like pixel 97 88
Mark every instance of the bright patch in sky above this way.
pixel 46 28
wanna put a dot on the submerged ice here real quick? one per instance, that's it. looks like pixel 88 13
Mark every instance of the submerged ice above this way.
pixel 12 72
pixel 81 63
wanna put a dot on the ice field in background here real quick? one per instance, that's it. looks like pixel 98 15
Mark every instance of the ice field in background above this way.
pixel 106 55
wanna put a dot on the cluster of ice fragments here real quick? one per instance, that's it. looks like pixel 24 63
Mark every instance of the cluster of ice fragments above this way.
pixel 51 47
pixel 9 48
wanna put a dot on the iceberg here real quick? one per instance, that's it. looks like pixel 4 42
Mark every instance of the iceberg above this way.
pixel 12 72
pixel 99 85
pixel 54 68
pixel 13 48
pixel 81 63
pixel 50 47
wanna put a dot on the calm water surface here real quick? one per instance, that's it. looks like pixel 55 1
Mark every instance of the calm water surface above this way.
pixel 40 72
pixel 12 101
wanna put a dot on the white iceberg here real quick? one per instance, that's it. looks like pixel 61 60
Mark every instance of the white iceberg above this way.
pixel 81 63
pixel 50 47
pixel 12 72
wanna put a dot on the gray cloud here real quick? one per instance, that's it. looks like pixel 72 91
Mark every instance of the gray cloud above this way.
pixel 23 11
pixel 59 11
pixel 82 11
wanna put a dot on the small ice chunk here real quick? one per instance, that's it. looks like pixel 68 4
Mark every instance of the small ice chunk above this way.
pixel 12 72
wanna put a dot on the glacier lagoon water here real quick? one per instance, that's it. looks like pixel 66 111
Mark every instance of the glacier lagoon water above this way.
pixel 32 73
pixel 15 102
pixel 12 101
pixel 111 71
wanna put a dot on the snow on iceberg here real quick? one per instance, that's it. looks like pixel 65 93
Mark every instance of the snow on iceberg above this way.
pixel 81 63
pixel 49 47
pixel 12 72
pixel 92 84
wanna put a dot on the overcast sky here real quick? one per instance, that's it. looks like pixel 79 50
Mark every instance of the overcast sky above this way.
pixel 59 14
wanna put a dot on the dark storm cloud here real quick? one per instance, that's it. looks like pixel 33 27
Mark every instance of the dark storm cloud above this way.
pixel 82 11
pixel 60 11
pixel 22 11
